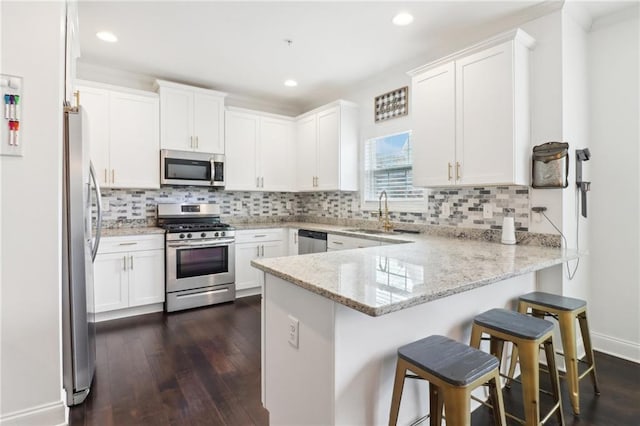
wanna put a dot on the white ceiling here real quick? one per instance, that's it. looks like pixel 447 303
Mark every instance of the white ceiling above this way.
pixel 239 46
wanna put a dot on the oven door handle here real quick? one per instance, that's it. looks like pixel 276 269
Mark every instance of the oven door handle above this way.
pixel 209 244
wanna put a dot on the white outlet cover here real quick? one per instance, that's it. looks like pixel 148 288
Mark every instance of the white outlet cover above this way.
pixel 238 205
pixel 487 211
pixel 446 209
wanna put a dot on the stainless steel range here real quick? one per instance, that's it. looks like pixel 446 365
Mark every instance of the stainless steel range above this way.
pixel 200 256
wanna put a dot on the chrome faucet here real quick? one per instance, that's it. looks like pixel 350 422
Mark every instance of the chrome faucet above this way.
pixel 386 222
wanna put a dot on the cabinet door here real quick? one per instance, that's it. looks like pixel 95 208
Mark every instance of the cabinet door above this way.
pixel 267 250
pixel 328 150
pixel 146 277
pixel 110 281
pixel 95 103
pixel 276 170
pixel 176 119
pixel 433 137
pixel 208 123
pixel 134 140
pixel 306 153
pixel 485 136
pixel 241 156
pixel 246 275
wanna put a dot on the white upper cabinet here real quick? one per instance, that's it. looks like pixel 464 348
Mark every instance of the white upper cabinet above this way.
pixel 327 148
pixel 471 115
pixel 259 151
pixel 191 118
pixel 123 132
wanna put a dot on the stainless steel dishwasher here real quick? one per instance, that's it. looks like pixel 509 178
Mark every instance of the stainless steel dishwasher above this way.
pixel 311 241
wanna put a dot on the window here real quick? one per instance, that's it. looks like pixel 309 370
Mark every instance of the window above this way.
pixel 387 166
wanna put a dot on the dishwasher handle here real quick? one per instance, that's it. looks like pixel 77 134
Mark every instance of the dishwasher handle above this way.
pixel 315 235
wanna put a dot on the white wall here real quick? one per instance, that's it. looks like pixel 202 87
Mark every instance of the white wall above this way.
pixel 614 199
pixel 30 366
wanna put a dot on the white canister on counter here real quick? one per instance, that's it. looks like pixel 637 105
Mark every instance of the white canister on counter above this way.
pixel 508 231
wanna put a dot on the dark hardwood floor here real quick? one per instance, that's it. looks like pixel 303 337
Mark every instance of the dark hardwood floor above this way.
pixel 202 367
pixel 197 367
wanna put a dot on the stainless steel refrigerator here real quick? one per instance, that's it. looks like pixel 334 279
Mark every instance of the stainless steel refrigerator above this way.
pixel 80 240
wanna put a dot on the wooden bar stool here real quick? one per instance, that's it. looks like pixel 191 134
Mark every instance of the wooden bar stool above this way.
pixel 453 370
pixel 565 310
pixel 527 334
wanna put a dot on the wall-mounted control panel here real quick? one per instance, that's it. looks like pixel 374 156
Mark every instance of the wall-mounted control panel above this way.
pixel 10 136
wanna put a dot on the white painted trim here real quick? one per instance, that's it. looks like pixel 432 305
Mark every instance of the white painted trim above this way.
pixel 518 35
pixel 53 413
pixel 579 14
pixel 619 348
pixel 260 113
pixel 122 89
pixel 129 312
pixel 339 102
pixel 164 83
pixel 615 17
pixel 248 292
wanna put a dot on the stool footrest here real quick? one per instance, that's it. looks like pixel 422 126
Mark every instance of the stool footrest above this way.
pixel 486 404
pixel 544 391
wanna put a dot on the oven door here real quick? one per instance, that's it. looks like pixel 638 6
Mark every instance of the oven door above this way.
pixel 203 263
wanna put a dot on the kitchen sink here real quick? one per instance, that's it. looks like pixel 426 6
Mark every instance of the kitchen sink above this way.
pixel 367 231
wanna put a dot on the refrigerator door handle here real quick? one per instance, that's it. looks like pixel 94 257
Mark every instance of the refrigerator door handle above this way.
pixel 94 250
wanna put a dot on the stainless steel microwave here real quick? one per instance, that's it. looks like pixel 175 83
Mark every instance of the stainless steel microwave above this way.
pixel 191 168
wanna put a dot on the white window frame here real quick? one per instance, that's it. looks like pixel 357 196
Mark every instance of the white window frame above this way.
pixel 409 206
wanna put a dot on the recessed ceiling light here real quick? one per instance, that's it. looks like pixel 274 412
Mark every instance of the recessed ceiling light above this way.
pixel 290 83
pixel 107 36
pixel 402 19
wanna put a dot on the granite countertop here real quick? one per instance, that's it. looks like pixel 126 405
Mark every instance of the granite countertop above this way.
pixel 384 279
pixel 140 230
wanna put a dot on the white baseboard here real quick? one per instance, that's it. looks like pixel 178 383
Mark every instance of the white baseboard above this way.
pixel 248 292
pixel 129 312
pixel 46 414
pixel 617 347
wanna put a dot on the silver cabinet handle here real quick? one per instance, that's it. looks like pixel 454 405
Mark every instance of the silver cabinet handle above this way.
pixel 448 171
pixel 262 182
pixel 262 251
pixel 113 175
pixel 124 263
pixel 258 251
pixel 259 235
pixel 190 141
pixel 458 174
pixel 106 176
pixel 337 242
pixel 197 143
pixel 128 244
pixel 295 238
pixel 131 262
pixel 258 182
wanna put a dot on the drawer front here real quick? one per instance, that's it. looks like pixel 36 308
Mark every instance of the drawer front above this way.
pixel 258 235
pixel 341 242
pixel 131 243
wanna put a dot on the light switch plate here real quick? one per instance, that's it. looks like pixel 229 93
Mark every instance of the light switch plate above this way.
pixel 487 211
pixel 446 209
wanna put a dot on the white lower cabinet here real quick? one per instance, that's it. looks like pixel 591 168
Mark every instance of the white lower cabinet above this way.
pixel 129 272
pixel 342 242
pixel 254 244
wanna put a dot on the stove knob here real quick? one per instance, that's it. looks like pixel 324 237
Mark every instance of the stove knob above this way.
pixel 181 235
pixel 188 235
pixel 222 234
pixel 217 234
pixel 203 235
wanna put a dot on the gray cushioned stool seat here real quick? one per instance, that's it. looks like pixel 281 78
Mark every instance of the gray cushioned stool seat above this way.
pixel 553 301
pixel 451 361
pixel 514 323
